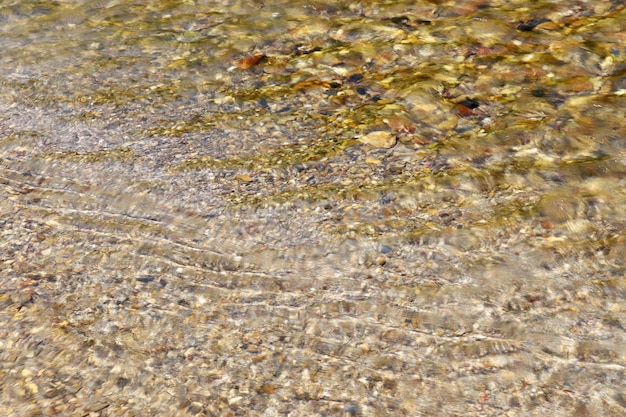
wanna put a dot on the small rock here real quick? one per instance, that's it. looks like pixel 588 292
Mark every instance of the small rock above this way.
pixel 558 207
pixel 379 139
pixel 96 406
pixel 400 124
pixel 234 400
pixel 352 410
pixel 250 61
pixel 267 389
pixel 5 301
pixel 245 178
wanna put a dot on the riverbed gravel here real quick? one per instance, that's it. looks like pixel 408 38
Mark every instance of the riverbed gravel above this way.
pixel 214 208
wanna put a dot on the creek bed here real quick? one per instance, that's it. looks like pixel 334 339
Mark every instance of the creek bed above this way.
pixel 295 208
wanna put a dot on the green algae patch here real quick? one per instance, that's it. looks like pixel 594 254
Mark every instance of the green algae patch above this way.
pixel 194 123
pixel 20 136
pixel 120 154
pixel 593 166
pixel 350 190
pixel 285 155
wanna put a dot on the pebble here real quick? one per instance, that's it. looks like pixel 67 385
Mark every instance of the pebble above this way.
pixel 379 140
pixel 250 61
pixel 245 178
pixel 558 207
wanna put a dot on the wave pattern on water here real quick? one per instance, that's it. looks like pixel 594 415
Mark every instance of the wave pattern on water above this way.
pixel 196 220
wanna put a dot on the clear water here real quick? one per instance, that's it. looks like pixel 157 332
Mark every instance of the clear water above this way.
pixel 191 225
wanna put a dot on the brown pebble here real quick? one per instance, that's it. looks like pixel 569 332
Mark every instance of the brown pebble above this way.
pixel 250 61
pixel 400 124
pixel 463 111
pixel 267 389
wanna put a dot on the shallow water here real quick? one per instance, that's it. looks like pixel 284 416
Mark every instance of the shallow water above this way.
pixel 196 219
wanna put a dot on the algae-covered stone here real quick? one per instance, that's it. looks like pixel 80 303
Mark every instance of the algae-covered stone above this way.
pixel 558 207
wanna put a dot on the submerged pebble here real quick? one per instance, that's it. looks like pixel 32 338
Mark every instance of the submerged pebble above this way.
pixel 379 140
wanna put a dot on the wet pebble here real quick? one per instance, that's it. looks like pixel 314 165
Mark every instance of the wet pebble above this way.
pixel 250 61
pixel 558 207
pixel 379 140
pixel 243 178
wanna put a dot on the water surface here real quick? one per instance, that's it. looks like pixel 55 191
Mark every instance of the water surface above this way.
pixel 196 220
